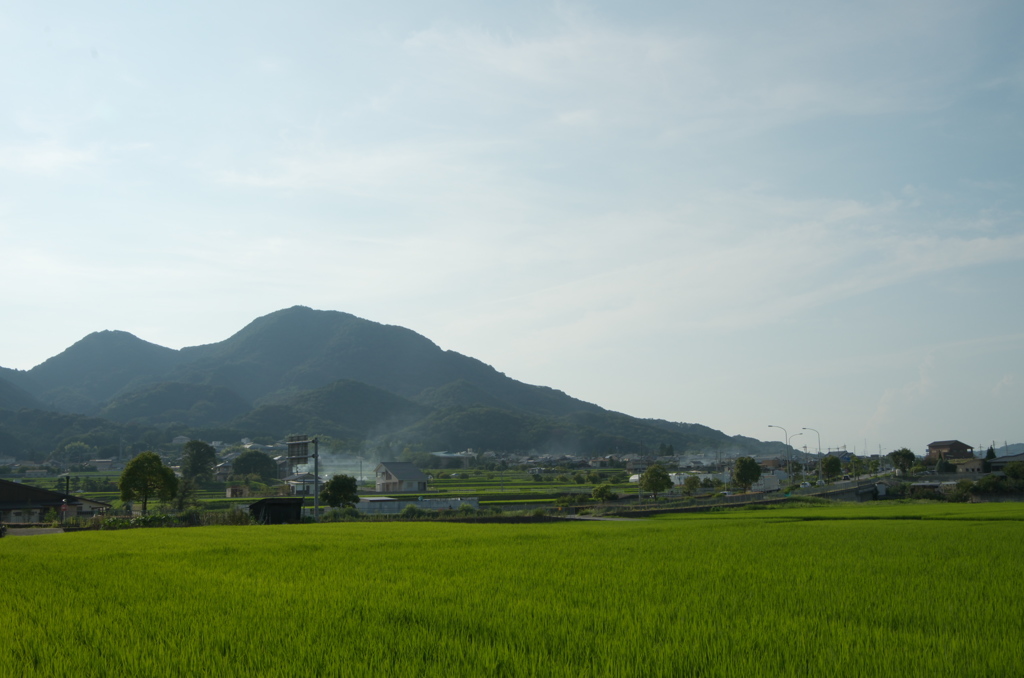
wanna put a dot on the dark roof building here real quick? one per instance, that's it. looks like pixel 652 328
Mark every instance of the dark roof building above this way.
pixel 999 463
pixel 20 503
pixel 277 510
pixel 948 449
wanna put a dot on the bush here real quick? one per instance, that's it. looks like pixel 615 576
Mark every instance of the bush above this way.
pixel 922 493
pixel 962 493
pixel 413 511
pixel 1015 470
pixel 341 514
pixel 227 517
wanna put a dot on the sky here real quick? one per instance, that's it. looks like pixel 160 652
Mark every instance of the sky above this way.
pixel 745 215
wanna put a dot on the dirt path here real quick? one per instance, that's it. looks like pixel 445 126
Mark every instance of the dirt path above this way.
pixel 32 531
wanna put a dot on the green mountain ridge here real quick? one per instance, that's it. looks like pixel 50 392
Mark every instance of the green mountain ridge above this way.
pixel 331 373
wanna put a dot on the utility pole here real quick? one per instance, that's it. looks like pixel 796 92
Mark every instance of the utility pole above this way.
pixel 316 479
pixel 298 453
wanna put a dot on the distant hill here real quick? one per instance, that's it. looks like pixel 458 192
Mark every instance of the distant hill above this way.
pixel 331 373
pixel 96 369
pixel 165 403
pixel 35 434
pixel 1008 450
pixel 345 409
pixel 299 348
pixel 14 398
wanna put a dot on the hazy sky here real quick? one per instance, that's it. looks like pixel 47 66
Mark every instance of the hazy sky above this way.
pixel 735 214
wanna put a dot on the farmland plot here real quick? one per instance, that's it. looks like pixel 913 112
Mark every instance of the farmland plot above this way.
pixel 756 594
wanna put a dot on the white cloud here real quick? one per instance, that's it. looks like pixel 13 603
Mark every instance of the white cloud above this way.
pixel 47 157
pixel 689 79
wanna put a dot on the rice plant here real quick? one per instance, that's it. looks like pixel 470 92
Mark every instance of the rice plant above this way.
pixel 789 592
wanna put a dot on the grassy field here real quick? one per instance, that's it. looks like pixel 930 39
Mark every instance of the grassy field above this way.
pixel 864 590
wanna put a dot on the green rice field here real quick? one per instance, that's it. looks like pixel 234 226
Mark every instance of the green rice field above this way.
pixel 861 590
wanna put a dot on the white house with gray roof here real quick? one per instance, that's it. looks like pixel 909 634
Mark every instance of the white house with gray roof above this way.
pixel 399 476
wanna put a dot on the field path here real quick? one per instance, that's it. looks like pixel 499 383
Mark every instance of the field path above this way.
pixel 32 531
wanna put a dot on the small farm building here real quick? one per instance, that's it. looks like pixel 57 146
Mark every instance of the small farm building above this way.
pixel 277 510
pixel 21 503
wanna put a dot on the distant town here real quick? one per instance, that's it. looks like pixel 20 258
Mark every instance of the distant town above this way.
pixel 284 481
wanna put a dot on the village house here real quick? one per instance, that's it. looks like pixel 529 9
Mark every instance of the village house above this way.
pixel 1000 463
pixel 637 466
pixel 399 476
pixel 21 503
pixel 222 471
pixel 971 466
pixel 303 483
pixel 948 450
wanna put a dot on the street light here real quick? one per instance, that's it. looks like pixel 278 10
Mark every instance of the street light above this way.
pixel 808 428
pixel 785 435
pixel 789 453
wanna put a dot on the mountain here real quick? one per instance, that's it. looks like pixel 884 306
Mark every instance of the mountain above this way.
pixel 36 434
pixel 328 373
pixel 166 403
pixel 300 349
pixel 14 398
pixel 344 409
pixel 97 368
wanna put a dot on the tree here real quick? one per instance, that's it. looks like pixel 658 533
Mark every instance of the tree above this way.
pixel 77 453
pixel 340 490
pixel 903 459
pixel 691 484
pixel 146 476
pixel 746 472
pixel 604 493
pixel 831 467
pixel 655 479
pixel 989 455
pixel 197 460
pixel 186 494
pixel 254 462
pixel 1015 470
